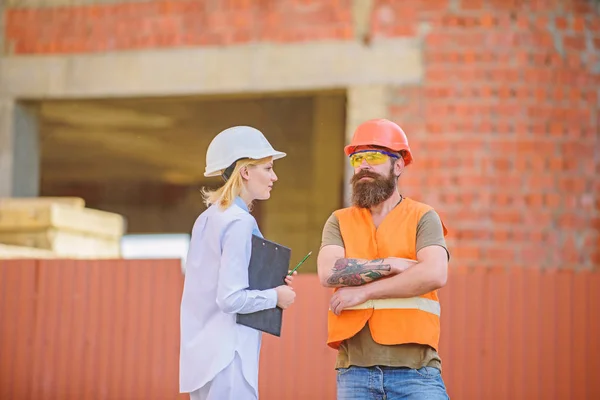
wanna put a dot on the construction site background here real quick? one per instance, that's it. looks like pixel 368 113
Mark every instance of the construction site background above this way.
pixel 107 108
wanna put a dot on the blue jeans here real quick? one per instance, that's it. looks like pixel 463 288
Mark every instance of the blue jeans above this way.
pixel 389 383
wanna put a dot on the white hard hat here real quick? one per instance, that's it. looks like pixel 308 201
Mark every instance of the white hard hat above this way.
pixel 236 143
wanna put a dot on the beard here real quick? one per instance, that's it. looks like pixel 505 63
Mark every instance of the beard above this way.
pixel 366 194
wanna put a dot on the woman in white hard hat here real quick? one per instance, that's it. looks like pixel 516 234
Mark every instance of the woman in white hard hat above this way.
pixel 219 358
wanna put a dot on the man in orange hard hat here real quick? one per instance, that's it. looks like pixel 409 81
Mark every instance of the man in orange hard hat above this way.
pixel 386 256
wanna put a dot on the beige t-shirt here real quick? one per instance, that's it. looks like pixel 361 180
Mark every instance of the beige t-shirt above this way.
pixel 361 350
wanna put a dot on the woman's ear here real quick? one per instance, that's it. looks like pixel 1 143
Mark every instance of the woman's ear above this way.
pixel 244 173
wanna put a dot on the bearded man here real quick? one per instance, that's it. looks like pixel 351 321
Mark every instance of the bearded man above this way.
pixel 386 256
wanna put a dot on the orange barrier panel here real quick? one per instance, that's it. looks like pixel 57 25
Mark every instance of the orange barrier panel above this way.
pixel 17 326
pixel 89 329
pixel 299 365
pixel 110 329
pixel 521 334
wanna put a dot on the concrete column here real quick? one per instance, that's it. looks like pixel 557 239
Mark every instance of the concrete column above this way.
pixel 6 147
pixel 328 170
pixel 364 103
pixel 3 46
pixel 19 150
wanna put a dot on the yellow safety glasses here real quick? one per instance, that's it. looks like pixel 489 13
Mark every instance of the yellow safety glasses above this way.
pixel 372 157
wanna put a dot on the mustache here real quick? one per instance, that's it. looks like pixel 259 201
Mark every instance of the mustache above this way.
pixel 365 174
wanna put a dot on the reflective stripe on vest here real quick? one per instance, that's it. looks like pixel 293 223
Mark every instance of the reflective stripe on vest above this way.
pixel 415 303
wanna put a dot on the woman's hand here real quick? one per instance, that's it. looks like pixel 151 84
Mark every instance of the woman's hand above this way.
pixel 290 278
pixel 285 296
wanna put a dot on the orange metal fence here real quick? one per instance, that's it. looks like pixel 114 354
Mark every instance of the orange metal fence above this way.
pixel 110 330
pixel 521 334
pixel 89 329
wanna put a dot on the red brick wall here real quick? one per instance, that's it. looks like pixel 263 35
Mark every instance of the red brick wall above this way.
pixel 172 23
pixel 505 127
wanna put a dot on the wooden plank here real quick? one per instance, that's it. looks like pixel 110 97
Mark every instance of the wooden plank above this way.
pixel 20 252
pixel 35 217
pixel 6 202
pixel 65 244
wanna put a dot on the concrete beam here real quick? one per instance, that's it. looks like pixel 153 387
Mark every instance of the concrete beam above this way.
pixel 3 50
pixel 327 166
pixel 251 68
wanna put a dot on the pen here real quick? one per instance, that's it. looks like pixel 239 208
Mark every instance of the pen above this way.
pixel 300 263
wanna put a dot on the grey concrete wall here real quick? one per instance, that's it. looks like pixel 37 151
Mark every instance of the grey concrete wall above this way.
pixel 26 150
pixel 6 146
pixel 19 150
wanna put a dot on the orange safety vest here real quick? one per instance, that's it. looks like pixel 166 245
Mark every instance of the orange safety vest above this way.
pixel 391 321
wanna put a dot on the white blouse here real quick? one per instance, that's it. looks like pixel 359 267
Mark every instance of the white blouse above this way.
pixel 215 290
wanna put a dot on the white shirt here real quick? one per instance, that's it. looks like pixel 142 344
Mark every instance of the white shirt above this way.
pixel 214 291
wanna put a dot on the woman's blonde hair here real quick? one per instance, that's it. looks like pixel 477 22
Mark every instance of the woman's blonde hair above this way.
pixel 225 195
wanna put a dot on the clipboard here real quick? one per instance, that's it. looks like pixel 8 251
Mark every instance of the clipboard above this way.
pixel 269 263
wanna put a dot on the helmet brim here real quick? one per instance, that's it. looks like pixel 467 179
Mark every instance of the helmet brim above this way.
pixel 349 149
pixel 219 170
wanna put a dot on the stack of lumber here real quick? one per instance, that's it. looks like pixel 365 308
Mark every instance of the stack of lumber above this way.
pixel 63 227
pixel 7 251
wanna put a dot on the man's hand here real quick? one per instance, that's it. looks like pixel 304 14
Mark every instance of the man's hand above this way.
pixel 347 297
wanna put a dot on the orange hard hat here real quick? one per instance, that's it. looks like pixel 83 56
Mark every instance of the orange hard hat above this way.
pixel 380 132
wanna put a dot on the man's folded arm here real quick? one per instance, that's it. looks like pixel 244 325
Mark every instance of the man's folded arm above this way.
pixel 335 270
